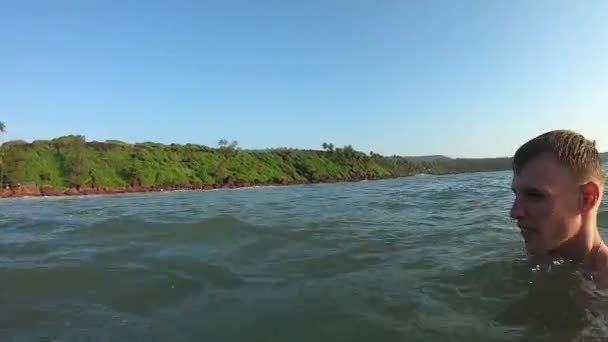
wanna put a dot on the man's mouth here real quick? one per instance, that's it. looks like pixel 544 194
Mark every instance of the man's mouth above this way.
pixel 527 232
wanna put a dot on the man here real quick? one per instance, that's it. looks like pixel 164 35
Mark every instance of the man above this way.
pixel 558 184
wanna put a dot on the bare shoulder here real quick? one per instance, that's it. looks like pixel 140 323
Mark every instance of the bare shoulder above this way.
pixel 600 268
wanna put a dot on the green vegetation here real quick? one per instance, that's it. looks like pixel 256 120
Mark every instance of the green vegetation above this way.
pixel 2 130
pixel 71 161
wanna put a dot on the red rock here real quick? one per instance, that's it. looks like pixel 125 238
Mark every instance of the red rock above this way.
pixel 89 191
pixel 48 190
pixel 72 192
pixel 25 190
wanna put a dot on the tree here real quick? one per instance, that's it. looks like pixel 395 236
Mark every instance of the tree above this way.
pixel 133 173
pixel 228 149
pixel 2 130
pixel 327 146
pixel 79 167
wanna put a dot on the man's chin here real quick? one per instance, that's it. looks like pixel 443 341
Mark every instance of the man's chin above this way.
pixel 535 250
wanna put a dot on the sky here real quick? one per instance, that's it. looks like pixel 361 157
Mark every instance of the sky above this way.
pixel 458 78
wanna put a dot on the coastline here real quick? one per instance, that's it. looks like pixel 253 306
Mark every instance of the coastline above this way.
pixel 31 191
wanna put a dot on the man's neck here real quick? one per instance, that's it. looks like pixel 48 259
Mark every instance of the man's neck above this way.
pixel 585 246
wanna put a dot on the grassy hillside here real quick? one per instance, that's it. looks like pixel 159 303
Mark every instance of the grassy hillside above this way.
pixel 70 161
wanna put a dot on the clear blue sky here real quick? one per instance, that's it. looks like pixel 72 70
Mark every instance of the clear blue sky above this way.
pixel 460 78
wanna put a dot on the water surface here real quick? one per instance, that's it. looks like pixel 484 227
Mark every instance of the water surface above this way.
pixel 424 258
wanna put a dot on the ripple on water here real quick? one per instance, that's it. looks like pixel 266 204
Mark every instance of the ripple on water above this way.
pixel 419 259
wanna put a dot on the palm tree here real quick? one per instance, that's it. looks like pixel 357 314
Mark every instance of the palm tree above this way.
pixel 2 127
pixel 328 146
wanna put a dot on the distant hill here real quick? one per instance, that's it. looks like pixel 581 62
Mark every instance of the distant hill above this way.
pixel 430 158
pixel 498 163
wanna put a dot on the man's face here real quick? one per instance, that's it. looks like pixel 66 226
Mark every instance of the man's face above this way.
pixel 546 205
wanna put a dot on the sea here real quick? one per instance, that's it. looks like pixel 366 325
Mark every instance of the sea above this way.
pixel 420 258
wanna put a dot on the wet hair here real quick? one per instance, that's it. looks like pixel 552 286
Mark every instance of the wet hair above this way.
pixel 571 149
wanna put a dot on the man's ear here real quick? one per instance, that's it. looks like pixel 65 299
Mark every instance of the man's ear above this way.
pixel 590 196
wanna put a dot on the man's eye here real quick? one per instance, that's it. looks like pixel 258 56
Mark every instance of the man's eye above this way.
pixel 535 194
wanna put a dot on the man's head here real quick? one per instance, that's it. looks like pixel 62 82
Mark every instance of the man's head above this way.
pixel 558 184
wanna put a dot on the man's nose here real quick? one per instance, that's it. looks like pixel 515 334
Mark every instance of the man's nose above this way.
pixel 517 210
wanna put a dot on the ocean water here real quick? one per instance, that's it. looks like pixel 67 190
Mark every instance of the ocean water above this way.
pixel 423 258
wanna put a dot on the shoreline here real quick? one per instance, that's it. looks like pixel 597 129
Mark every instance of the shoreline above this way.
pixel 31 191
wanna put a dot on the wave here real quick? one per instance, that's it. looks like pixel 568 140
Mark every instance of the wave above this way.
pixel 219 228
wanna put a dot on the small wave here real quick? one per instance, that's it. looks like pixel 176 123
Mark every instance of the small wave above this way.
pixel 219 228
pixel 185 267
pixel 326 266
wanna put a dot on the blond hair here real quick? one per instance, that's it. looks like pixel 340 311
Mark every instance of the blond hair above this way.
pixel 572 149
